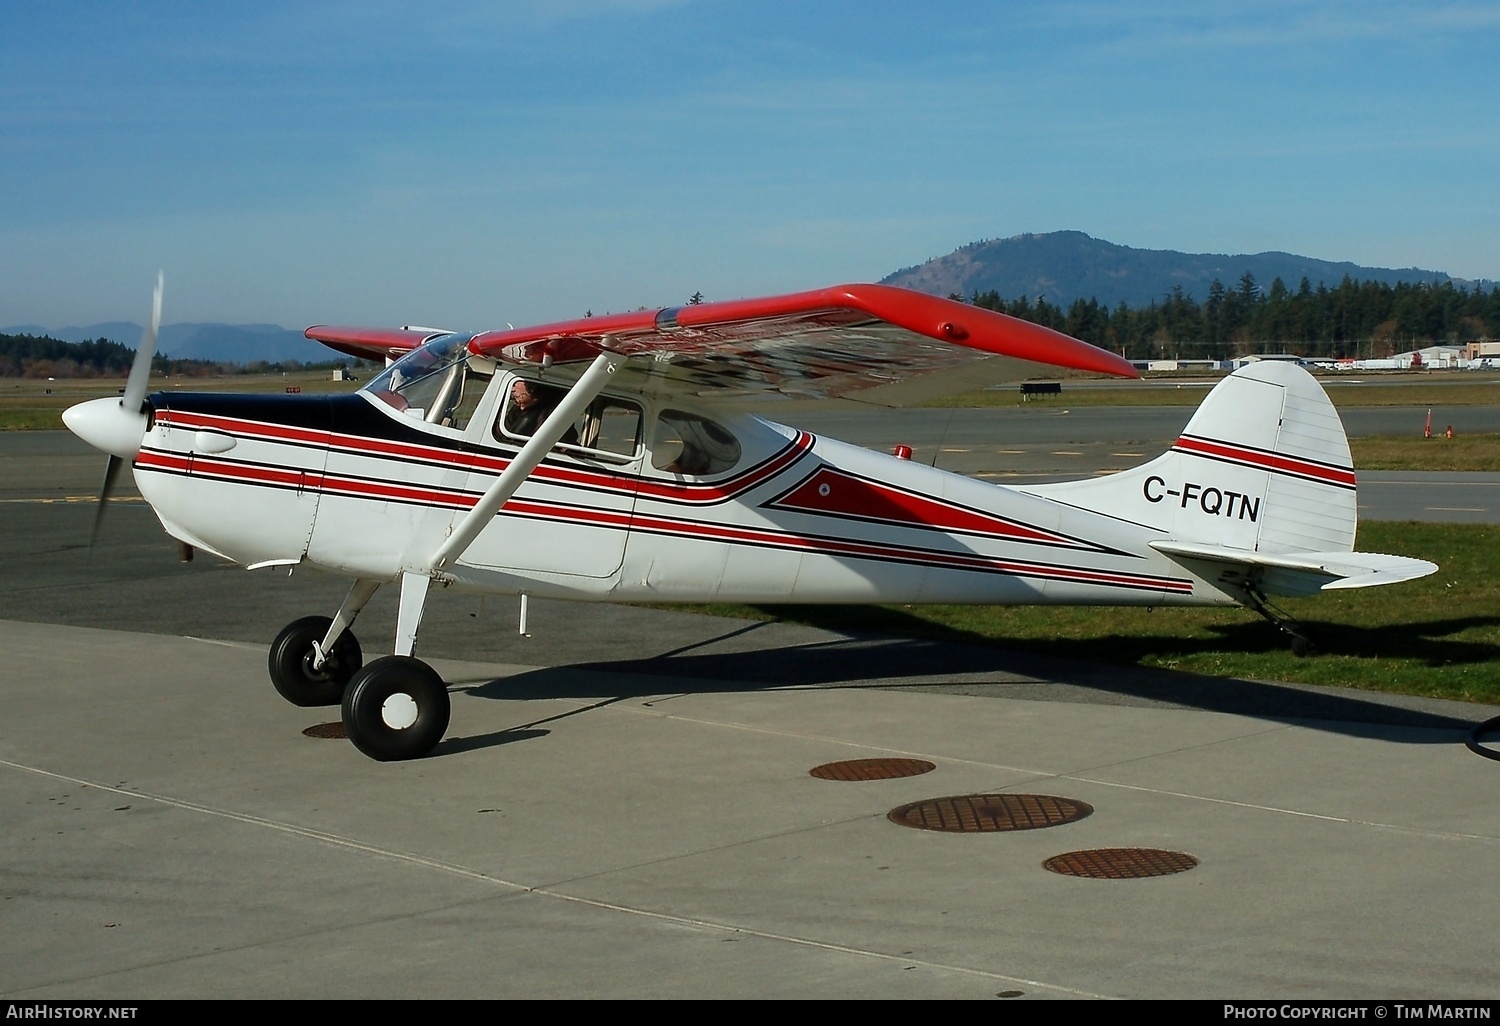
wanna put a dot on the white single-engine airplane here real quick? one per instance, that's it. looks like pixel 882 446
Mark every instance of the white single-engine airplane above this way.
pixel 590 460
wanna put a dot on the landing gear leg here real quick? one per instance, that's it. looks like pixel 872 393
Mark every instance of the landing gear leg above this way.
pixel 1302 645
pixel 358 595
pixel 397 707
pixel 409 612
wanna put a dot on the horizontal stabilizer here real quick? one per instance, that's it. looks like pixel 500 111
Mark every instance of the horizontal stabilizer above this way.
pixel 1299 573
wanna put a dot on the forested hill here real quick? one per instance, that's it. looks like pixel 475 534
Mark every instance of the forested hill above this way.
pixel 213 342
pixel 34 356
pixel 40 356
pixel 1064 266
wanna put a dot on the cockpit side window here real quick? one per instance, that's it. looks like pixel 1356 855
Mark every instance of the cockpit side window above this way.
pixel 692 445
pixel 610 427
pixel 526 406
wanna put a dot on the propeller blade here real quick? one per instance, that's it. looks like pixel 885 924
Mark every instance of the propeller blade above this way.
pixel 140 370
pixel 111 474
pixel 109 427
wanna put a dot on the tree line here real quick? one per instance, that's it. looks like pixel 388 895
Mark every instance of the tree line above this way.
pixel 1354 319
pixel 40 356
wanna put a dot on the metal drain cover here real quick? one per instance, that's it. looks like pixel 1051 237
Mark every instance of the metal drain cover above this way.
pixel 985 813
pixel 1120 863
pixel 871 769
pixel 326 730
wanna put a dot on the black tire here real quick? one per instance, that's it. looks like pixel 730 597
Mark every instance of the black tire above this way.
pixel 396 708
pixel 291 666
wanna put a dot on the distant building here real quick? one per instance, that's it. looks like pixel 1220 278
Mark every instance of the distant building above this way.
pixel 1178 365
pixel 1431 358
pixel 1241 361
pixel 1469 356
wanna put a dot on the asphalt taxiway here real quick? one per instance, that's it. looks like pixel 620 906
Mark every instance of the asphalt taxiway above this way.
pixel 623 808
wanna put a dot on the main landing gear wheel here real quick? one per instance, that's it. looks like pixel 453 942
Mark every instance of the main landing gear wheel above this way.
pixel 396 708
pixel 291 663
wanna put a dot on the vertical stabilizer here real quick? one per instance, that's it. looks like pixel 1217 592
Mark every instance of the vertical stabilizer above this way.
pixel 1262 466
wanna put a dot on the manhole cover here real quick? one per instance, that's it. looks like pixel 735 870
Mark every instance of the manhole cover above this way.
pixel 983 813
pixel 328 730
pixel 1120 863
pixel 871 769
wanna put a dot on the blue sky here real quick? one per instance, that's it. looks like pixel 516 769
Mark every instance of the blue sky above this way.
pixel 471 164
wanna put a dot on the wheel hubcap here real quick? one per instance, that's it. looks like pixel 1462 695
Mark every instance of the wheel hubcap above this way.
pixel 315 674
pixel 399 711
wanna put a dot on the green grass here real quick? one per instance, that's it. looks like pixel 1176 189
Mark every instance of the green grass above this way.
pixel 1469 453
pixel 30 418
pixel 1439 636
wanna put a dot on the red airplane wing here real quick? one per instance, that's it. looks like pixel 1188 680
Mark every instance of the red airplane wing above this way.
pixel 820 343
pixel 370 343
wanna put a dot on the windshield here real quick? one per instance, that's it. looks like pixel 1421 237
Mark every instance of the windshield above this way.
pixel 427 383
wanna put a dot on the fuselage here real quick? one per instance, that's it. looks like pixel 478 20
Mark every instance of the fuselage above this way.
pixel 367 487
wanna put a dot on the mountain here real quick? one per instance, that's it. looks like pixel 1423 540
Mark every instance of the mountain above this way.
pixel 219 343
pixel 1064 266
pixel 241 343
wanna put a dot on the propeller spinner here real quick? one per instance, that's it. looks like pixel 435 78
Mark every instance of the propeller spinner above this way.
pixel 116 426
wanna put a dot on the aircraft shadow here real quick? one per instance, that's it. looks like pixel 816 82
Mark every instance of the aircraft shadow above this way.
pixel 912 654
pixel 455 745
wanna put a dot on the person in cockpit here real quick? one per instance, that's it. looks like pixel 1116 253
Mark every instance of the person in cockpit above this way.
pixel 530 405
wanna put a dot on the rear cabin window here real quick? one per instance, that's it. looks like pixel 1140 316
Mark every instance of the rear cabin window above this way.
pixel 692 445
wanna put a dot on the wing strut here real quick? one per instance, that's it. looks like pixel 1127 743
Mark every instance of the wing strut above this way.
pixel 557 423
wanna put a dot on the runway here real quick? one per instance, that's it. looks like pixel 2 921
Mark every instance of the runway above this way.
pixel 623 806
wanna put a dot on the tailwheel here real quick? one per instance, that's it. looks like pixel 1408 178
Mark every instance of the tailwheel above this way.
pixel 292 663
pixel 1302 645
pixel 396 708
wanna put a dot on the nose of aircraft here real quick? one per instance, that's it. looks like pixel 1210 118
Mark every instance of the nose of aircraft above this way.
pixel 108 426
